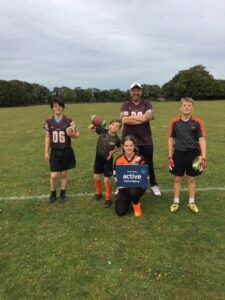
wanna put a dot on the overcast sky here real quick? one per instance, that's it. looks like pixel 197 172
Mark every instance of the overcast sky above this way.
pixel 109 44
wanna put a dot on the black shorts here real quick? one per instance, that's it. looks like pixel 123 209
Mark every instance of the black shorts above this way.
pixel 103 166
pixel 183 163
pixel 62 160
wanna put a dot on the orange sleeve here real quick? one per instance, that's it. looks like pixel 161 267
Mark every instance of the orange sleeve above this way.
pixel 170 129
pixel 201 124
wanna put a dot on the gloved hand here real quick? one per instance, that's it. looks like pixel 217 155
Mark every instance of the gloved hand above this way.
pixel 203 163
pixel 171 163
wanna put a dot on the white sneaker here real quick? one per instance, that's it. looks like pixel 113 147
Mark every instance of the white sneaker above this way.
pixel 156 190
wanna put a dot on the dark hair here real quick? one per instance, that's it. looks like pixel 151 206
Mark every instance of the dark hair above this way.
pixel 132 139
pixel 116 121
pixel 57 100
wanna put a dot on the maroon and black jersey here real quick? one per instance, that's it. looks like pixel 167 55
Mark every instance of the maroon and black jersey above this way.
pixel 58 137
pixel 141 132
pixel 186 133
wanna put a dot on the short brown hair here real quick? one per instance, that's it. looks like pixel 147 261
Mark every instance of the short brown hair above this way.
pixel 116 121
pixel 186 99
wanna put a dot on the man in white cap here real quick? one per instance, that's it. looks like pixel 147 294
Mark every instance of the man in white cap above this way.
pixel 136 115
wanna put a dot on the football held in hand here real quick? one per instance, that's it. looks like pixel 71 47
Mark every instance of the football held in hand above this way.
pixel 97 121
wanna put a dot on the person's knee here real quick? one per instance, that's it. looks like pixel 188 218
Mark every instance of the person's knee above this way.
pixel 178 179
pixel 107 180
pixel 97 177
pixel 120 213
pixel 191 179
pixel 54 175
pixel 121 210
pixel 63 175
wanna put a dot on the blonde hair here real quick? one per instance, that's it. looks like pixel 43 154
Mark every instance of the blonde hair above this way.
pixel 186 99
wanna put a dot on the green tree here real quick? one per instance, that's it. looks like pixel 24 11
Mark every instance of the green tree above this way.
pixel 151 92
pixel 195 82
pixel 40 94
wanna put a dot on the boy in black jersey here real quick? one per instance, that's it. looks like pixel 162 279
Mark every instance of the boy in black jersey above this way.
pixel 108 143
pixel 186 141
pixel 58 138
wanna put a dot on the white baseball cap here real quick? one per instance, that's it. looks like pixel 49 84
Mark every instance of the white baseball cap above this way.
pixel 135 84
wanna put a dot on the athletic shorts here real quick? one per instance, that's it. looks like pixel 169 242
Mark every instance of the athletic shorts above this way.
pixel 183 163
pixel 103 166
pixel 62 160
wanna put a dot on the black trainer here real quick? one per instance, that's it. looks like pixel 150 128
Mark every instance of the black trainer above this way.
pixel 62 198
pixel 52 198
pixel 98 196
pixel 108 203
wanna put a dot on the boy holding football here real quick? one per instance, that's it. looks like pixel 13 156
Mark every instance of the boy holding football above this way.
pixel 108 143
pixel 186 141
pixel 59 131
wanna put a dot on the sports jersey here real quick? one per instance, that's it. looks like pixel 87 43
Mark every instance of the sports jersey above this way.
pixel 135 160
pixel 141 132
pixel 106 142
pixel 58 137
pixel 186 133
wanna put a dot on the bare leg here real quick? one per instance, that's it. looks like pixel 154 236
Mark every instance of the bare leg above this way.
pixel 53 180
pixel 177 186
pixel 64 179
pixel 191 187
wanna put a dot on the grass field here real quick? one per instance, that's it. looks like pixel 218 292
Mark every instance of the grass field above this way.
pixel 81 250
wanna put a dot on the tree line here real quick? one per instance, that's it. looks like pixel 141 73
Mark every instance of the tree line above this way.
pixel 195 82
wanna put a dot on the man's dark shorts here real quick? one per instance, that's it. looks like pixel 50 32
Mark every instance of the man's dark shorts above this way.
pixel 62 160
pixel 183 163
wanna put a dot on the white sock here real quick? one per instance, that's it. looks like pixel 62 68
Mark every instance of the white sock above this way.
pixel 176 200
pixel 191 200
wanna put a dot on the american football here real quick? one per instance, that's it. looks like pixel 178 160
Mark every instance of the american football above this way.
pixel 97 121
pixel 70 129
pixel 196 164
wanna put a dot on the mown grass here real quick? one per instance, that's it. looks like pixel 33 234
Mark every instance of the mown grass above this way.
pixel 82 251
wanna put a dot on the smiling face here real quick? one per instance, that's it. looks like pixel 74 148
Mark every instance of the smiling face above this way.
pixel 135 94
pixel 57 109
pixel 186 108
pixel 129 147
pixel 114 127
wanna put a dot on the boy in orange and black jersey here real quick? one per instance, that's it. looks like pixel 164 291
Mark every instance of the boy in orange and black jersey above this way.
pixel 186 141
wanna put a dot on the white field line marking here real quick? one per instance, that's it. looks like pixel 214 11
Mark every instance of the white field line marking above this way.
pixel 164 191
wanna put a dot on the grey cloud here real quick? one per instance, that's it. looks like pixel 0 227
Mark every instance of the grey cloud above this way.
pixel 108 44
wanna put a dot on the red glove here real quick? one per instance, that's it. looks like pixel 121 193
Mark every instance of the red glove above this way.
pixel 203 163
pixel 171 163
